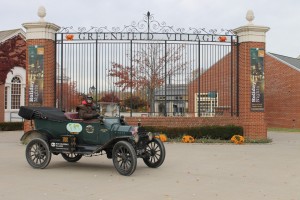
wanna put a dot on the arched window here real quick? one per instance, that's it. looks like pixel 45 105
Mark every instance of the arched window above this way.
pixel 15 92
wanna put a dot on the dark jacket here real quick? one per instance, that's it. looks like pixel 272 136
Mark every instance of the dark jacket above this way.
pixel 87 112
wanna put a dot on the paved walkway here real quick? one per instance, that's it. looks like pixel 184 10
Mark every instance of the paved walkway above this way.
pixel 191 171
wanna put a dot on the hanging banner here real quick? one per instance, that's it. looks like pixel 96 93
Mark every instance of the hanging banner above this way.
pixel 36 75
pixel 257 79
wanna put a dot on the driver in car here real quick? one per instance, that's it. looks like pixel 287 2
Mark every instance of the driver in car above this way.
pixel 87 110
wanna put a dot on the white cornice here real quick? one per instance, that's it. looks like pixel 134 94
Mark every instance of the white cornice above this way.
pixel 251 33
pixel 40 30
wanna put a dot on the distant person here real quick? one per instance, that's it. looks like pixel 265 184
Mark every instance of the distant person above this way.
pixel 87 110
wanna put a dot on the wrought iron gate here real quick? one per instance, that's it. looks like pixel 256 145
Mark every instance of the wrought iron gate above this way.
pixel 149 68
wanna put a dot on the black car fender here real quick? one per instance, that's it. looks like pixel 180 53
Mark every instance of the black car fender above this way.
pixel 110 144
pixel 32 134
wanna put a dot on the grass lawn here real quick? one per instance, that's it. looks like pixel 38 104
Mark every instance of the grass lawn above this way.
pixel 284 129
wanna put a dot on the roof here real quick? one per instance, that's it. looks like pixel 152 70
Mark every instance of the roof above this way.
pixel 172 90
pixel 5 35
pixel 293 62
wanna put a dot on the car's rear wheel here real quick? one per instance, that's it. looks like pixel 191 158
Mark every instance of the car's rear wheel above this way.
pixel 71 157
pixel 156 153
pixel 124 158
pixel 38 154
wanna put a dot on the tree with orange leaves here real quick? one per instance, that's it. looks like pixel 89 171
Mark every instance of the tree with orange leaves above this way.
pixel 152 66
pixel 72 98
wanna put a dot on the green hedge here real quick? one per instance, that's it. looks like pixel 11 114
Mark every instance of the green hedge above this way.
pixel 11 126
pixel 213 132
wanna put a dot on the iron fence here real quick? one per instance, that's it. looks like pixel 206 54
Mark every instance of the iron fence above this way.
pixel 149 69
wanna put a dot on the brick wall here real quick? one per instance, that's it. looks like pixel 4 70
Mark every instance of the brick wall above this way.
pixel 282 94
pixel 183 121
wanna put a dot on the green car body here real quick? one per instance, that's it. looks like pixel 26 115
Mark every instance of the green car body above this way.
pixel 56 132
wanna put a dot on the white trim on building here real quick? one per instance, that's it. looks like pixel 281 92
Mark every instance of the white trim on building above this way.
pixel 9 113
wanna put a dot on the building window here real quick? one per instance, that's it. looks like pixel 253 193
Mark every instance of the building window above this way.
pixel 15 93
pixel 208 103
pixel 5 97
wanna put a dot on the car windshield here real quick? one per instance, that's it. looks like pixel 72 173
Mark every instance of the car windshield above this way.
pixel 109 122
pixel 109 109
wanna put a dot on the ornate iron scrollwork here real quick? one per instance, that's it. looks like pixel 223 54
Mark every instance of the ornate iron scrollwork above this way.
pixel 147 25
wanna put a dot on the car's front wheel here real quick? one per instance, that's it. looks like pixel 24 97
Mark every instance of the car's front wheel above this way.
pixel 71 157
pixel 38 154
pixel 156 153
pixel 124 158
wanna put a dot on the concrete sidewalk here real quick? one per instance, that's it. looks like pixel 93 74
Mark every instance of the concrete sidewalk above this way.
pixel 191 171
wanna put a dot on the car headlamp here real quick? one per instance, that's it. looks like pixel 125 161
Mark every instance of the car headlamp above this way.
pixel 136 138
pixel 150 135
pixel 135 134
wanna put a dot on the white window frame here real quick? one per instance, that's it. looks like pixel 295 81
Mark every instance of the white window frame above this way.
pixel 207 105
pixel 12 114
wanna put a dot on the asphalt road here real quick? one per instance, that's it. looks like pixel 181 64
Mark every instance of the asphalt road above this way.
pixel 190 171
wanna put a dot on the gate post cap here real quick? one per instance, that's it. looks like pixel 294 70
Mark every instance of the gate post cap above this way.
pixel 251 32
pixel 40 29
pixel 250 17
pixel 41 13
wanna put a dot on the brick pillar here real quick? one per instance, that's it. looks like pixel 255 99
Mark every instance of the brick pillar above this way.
pixel 42 34
pixel 251 37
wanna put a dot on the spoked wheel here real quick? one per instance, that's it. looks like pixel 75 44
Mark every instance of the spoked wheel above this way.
pixel 71 157
pixel 38 154
pixel 156 153
pixel 124 158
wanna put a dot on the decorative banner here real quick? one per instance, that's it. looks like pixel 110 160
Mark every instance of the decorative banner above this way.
pixel 257 79
pixel 36 75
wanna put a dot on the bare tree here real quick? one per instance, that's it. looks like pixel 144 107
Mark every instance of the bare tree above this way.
pixel 152 66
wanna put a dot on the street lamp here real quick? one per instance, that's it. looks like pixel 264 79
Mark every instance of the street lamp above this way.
pixel 92 90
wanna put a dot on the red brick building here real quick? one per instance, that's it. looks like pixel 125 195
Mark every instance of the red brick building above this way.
pixel 12 73
pixel 282 86
pixel 282 89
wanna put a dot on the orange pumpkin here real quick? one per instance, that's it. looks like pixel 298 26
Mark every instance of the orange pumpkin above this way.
pixel 237 139
pixel 69 37
pixel 188 139
pixel 162 137
pixel 222 38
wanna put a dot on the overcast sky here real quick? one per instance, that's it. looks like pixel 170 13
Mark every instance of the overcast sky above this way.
pixel 283 17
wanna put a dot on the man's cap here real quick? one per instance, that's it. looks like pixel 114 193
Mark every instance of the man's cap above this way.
pixel 89 97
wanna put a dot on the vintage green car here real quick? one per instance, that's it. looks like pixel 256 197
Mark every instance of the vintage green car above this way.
pixel 56 132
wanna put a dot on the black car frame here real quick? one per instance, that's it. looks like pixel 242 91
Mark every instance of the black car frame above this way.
pixel 57 132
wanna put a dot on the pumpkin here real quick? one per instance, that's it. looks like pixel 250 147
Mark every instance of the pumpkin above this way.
pixel 69 37
pixel 188 139
pixel 237 139
pixel 222 38
pixel 162 137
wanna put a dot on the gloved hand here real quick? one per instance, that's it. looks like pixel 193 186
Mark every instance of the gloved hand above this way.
pixel 95 116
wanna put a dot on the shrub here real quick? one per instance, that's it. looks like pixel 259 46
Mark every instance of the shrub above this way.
pixel 11 126
pixel 212 132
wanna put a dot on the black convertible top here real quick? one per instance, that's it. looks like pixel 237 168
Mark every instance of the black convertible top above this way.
pixel 48 113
